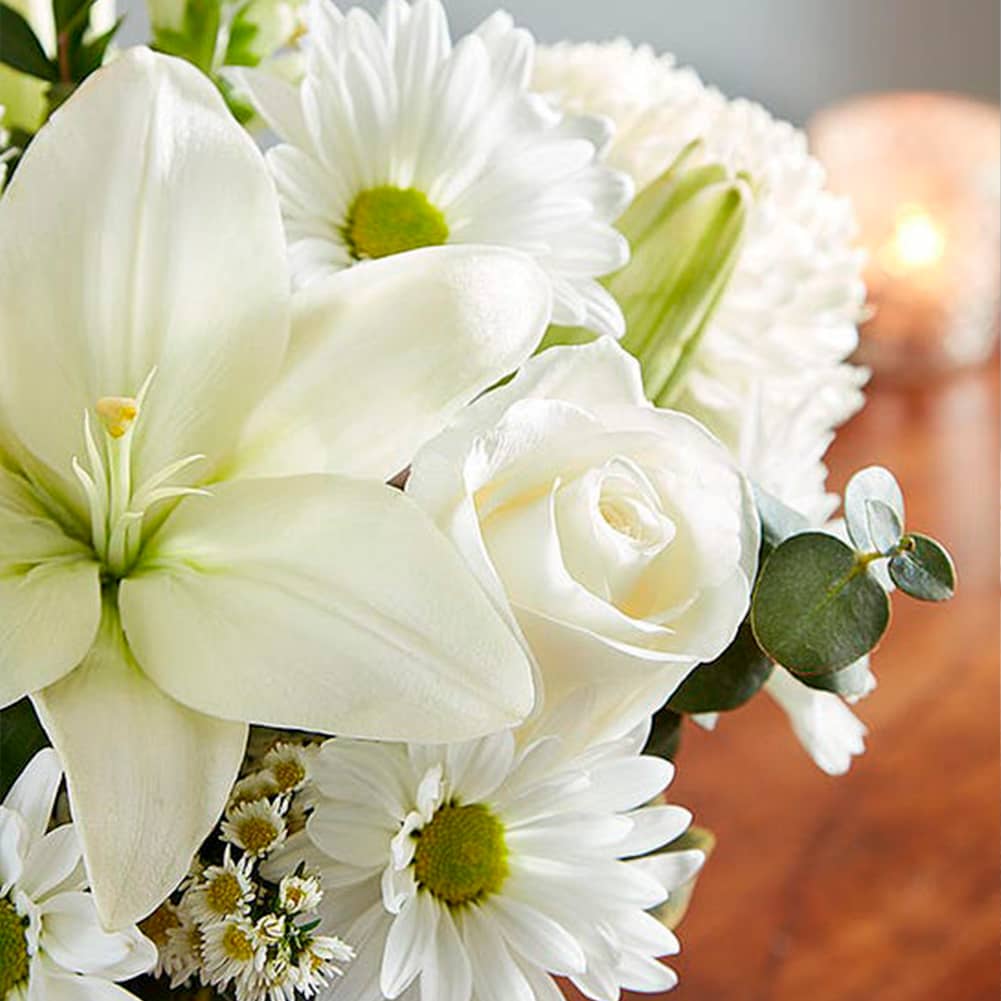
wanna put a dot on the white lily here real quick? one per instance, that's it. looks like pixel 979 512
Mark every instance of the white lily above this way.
pixel 153 600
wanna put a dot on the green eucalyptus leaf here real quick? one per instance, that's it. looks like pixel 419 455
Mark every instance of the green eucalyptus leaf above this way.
pixel 850 682
pixel 873 483
pixel 885 527
pixel 815 608
pixel 726 682
pixel 671 912
pixel 665 734
pixel 21 736
pixel 20 48
pixel 924 569
pixel 778 521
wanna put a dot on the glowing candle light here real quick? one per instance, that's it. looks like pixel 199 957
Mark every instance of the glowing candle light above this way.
pixel 923 172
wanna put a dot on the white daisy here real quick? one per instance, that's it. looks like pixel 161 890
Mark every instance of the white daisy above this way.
pixel 768 377
pixel 288 767
pixel 477 870
pixel 396 139
pixel 182 954
pixel 257 827
pixel 299 894
pixel 52 944
pixel 232 955
pixel 223 890
pixel 320 960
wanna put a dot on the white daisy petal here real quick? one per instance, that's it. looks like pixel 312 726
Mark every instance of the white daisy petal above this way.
pixel 447 974
pixel 34 792
pixel 14 840
pixel 654 826
pixel 410 937
pixel 51 861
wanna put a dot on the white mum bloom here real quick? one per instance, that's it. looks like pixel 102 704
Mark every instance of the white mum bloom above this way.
pixel 188 458
pixel 769 376
pixel 288 766
pixel 231 954
pixel 299 894
pixel 258 827
pixel 224 890
pixel 397 139
pixel 52 944
pixel 477 870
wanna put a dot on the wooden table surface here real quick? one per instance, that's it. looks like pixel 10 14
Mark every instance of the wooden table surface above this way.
pixel 881 885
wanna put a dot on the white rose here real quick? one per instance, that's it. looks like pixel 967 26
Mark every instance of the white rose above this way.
pixel 622 538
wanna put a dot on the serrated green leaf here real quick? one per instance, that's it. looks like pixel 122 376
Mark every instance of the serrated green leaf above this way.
pixel 726 682
pixel 815 607
pixel 924 570
pixel 20 48
pixel 665 734
pixel 21 736
pixel 874 483
pixel 673 910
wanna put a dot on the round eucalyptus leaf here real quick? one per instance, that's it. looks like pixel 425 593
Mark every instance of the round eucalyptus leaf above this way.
pixel 850 682
pixel 816 609
pixel 726 682
pixel 665 734
pixel 885 528
pixel 925 570
pixel 778 521
pixel 873 483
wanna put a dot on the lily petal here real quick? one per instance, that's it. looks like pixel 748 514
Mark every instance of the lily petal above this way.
pixel 147 777
pixel 384 354
pixel 141 231
pixel 50 593
pixel 323 603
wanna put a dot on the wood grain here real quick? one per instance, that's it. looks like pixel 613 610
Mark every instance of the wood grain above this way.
pixel 881 885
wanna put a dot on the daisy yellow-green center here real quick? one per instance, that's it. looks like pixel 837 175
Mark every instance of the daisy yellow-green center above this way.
pixel 389 220
pixel 461 856
pixel 13 949
pixel 224 894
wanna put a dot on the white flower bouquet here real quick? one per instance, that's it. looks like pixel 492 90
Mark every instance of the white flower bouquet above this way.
pixel 374 509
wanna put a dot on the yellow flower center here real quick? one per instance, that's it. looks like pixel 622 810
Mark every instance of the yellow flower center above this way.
pixel 257 834
pixel 13 948
pixel 461 856
pixel 156 926
pixel 389 220
pixel 117 413
pixel 237 945
pixel 224 894
pixel 288 774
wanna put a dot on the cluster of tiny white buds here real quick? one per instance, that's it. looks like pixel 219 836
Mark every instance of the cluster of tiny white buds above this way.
pixel 234 930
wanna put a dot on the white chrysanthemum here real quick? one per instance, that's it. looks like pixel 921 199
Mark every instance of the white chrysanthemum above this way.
pixel 396 139
pixel 768 377
pixel 258 827
pixel 182 954
pixel 52 944
pixel 224 890
pixel 299 894
pixel 477 870
pixel 232 955
pixel 288 766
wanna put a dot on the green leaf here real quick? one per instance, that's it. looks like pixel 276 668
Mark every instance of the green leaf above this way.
pixel 20 49
pixel 21 737
pixel 924 569
pixel 665 734
pixel 885 528
pixel 849 682
pixel 671 912
pixel 90 56
pixel 873 483
pixel 71 15
pixel 815 608
pixel 196 41
pixel 685 230
pixel 778 521
pixel 726 682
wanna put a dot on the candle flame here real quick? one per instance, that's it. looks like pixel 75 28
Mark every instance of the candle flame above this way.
pixel 917 241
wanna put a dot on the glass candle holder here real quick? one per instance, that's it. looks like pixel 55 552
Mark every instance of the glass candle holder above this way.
pixel 924 173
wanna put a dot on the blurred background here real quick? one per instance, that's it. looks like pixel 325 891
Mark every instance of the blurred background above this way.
pixel 794 56
pixel 882 884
